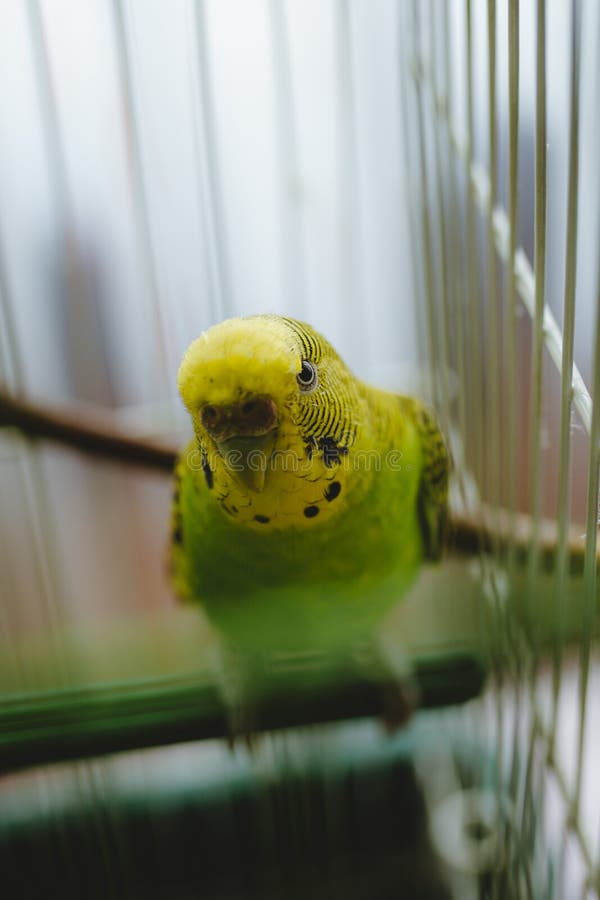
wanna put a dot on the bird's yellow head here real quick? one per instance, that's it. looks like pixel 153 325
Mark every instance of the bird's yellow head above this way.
pixel 263 391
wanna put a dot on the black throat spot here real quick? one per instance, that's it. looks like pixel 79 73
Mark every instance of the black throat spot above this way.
pixel 208 475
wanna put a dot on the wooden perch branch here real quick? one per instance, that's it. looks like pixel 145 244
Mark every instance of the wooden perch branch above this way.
pixel 89 433
pixel 103 438
pixel 468 539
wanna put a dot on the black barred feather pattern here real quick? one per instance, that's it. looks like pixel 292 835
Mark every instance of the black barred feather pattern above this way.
pixel 311 343
pixel 330 411
pixel 433 492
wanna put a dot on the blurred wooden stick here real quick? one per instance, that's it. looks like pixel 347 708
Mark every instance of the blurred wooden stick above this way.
pixel 468 538
pixel 101 437
pixel 90 433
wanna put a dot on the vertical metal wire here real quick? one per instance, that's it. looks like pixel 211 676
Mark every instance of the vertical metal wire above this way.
pixel 540 291
pixel 484 395
pixel 456 255
pixel 7 368
pixel 424 197
pixel 406 71
pixel 477 400
pixel 493 344
pixel 57 166
pixel 292 238
pixel 522 845
pixel 510 451
pixel 566 393
pixel 352 286
pixel 208 157
pixel 140 197
pixel 510 445
pixel 591 556
pixel 440 102
pixel 590 584
pixel 536 373
pixel 474 332
pixel 492 466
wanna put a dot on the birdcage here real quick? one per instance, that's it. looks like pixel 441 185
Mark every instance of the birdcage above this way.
pixel 417 180
pixel 499 212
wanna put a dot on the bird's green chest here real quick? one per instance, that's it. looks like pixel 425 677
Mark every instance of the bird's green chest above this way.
pixel 306 581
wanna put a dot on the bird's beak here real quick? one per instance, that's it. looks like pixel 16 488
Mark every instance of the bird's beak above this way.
pixel 248 456
pixel 245 435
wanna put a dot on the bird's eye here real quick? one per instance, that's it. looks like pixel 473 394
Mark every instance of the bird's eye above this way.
pixel 307 377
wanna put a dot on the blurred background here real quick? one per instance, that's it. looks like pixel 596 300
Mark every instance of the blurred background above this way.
pixel 164 166
pixel 161 169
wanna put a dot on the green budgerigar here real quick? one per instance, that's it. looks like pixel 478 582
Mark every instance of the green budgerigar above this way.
pixel 307 500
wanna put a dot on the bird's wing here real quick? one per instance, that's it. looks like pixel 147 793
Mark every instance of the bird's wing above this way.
pixel 433 489
pixel 177 555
